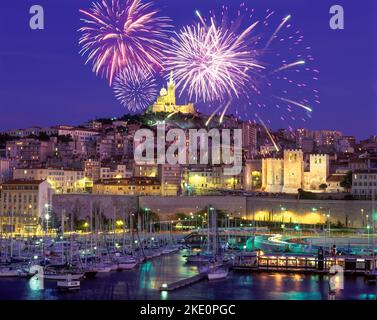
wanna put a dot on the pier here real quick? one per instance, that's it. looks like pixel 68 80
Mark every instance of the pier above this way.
pixel 183 282
pixel 300 263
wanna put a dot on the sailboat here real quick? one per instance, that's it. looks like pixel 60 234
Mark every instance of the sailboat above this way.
pixel 217 273
pixel 55 274
pixel 216 268
pixel 11 272
pixel 126 263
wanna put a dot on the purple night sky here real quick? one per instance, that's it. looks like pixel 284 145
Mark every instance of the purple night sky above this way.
pixel 43 79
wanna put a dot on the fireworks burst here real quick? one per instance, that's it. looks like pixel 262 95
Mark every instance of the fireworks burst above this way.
pixel 285 88
pixel 210 62
pixel 135 89
pixel 119 33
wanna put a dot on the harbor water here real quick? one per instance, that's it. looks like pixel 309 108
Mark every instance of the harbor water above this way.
pixel 144 282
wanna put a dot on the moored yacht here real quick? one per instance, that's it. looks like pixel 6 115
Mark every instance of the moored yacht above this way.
pixel 217 273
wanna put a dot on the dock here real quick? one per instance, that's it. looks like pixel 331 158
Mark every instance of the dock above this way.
pixel 183 282
pixel 300 263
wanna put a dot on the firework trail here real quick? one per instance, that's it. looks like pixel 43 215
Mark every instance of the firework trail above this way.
pixel 118 33
pixel 290 65
pixel 259 62
pixel 277 31
pixel 213 114
pixel 285 88
pixel 296 104
pixel 268 133
pixel 210 62
pixel 224 111
pixel 135 89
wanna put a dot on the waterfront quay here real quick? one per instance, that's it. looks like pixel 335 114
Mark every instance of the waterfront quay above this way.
pixel 349 213
pixel 145 281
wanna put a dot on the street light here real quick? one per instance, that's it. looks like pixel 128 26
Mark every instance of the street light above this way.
pixel 368 228
pixel 47 217
pixel 197 208
pixel 329 227
pixel 314 211
pixel 283 210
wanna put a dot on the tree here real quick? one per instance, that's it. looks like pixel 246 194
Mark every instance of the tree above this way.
pixel 65 138
pixel 4 137
pixel 346 183
pixel 323 187
pixel 221 214
pixel 43 137
pixel 302 194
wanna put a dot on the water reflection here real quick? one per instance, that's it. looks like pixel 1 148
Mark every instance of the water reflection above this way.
pixel 144 283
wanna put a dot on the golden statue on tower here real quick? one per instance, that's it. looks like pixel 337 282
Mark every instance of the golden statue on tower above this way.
pixel 166 101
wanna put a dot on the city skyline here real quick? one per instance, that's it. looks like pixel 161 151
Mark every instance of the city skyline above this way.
pixel 44 82
pixel 197 150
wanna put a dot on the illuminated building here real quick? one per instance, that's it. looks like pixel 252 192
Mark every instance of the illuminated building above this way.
pixel 141 186
pixel 166 102
pixel 252 174
pixel 5 170
pixel 364 184
pixel 61 180
pixel 145 170
pixel 118 172
pixel 23 202
pixel 29 150
pixel 249 138
pixel 333 182
pixel 171 177
pixel 92 169
pixel 204 180
pixel 288 174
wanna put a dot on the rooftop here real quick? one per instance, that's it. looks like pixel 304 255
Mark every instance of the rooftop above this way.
pixel 142 181
pixel 23 182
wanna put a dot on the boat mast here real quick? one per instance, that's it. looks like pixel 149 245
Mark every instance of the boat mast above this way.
pixel 373 227
pixel 124 231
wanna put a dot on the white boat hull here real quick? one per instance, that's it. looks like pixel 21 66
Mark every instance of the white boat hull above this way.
pixel 103 269
pixel 127 266
pixel 68 285
pixel 9 274
pixel 218 274
pixel 63 277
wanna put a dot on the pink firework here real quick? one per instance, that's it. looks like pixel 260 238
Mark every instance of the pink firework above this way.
pixel 284 89
pixel 210 62
pixel 119 33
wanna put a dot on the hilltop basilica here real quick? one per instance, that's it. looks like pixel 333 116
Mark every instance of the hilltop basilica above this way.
pixel 166 101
